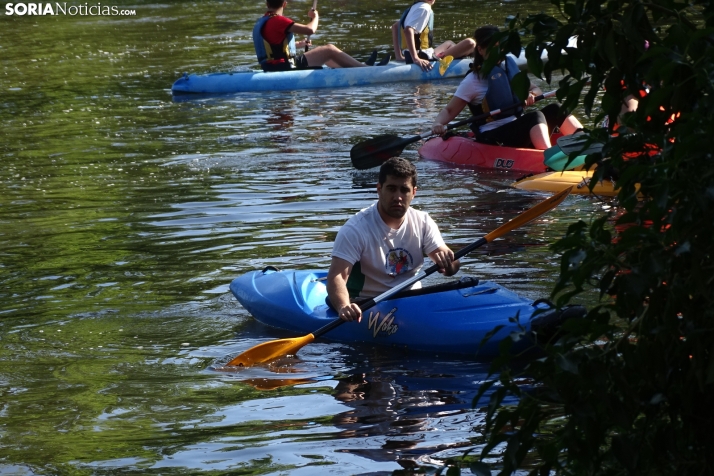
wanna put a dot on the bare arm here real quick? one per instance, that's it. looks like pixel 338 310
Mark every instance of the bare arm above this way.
pixel 411 46
pixel 395 42
pixel 310 28
pixel 453 109
pixel 443 257
pixel 337 290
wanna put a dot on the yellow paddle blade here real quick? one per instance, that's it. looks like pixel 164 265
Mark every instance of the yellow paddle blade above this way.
pixel 270 351
pixel 528 215
pixel 444 64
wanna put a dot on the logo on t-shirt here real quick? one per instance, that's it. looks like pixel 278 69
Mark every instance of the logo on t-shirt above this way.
pixel 399 261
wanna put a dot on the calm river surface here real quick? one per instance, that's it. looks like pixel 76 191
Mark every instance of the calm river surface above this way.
pixel 125 214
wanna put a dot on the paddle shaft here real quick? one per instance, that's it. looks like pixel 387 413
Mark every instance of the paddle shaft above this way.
pixel 518 221
pixel 391 292
pixel 314 7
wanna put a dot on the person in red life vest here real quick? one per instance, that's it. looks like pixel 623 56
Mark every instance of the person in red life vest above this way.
pixel 511 128
pixel 276 48
pixel 413 38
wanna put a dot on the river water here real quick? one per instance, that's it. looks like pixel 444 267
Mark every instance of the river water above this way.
pixel 125 214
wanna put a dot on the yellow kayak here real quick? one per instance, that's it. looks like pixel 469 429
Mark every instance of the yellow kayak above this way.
pixel 557 181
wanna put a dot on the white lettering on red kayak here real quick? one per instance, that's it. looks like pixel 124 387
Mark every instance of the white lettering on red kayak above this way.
pixel 385 324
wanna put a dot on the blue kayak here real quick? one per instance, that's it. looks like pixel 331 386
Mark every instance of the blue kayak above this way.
pixel 394 72
pixel 448 318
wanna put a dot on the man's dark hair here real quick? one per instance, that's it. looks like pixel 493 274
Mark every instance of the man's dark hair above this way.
pixel 398 167
pixel 275 3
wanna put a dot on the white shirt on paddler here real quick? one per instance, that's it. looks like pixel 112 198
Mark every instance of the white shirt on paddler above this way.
pixel 381 256
pixel 418 18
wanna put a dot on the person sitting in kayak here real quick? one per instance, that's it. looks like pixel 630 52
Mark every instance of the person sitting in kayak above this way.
pixel 276 48
pixel 413 38
pixel 384 245
pixel 511 128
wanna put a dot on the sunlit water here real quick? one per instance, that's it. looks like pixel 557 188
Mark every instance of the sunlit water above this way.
pixel 125 214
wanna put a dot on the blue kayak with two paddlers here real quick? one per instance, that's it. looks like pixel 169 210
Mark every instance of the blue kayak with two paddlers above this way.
pixel 258 80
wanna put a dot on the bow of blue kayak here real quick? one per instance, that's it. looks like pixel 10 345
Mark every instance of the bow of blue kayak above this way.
pixel 451 318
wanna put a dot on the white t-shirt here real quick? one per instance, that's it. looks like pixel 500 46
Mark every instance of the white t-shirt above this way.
pixel 472 90
pixel 381 256
pixel 418 18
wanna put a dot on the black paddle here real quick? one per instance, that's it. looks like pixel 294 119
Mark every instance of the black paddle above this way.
pixel 307 45
pixel 374 152
pixel 277 348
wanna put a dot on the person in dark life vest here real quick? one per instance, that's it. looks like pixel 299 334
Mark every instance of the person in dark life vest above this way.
pixel 482 94
pixel 276 48
pixel 413 38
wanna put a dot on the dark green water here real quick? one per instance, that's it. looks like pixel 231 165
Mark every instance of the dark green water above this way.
pixel 124 215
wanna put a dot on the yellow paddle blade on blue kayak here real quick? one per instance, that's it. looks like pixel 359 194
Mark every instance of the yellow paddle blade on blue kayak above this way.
pixel 270 351
pixel 444 64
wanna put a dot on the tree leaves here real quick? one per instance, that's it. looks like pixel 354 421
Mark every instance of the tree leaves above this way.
pixel 629 388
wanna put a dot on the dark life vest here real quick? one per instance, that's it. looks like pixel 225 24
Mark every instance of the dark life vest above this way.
pixel 499 94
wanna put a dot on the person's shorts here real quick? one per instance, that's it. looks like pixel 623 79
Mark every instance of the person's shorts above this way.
pixel 427 54
pixel 300 63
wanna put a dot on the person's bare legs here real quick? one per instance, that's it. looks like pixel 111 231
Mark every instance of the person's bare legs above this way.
pixel 540 137
pixel 332 57
pixel 463 48
pixel 570 125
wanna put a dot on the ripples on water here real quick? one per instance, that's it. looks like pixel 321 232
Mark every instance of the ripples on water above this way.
pixel 124 215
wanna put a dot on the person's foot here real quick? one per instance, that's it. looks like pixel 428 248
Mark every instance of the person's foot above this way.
pixel 408 58
pixel 385 60
pixel 372 59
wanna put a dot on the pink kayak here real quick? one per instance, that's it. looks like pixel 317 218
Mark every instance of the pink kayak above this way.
pixel 463 150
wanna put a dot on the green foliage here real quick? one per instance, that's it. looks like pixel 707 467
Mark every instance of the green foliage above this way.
pixel 629 389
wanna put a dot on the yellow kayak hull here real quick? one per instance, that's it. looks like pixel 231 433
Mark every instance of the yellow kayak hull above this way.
pixel 557 181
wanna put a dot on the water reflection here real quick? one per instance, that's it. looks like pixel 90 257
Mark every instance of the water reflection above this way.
pixel 383 405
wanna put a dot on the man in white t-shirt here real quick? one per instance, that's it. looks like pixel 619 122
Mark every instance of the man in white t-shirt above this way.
pixel 413 38
pixel 384 245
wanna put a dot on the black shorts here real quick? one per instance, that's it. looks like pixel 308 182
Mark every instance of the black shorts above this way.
pixel 518 133
pixel 300 63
